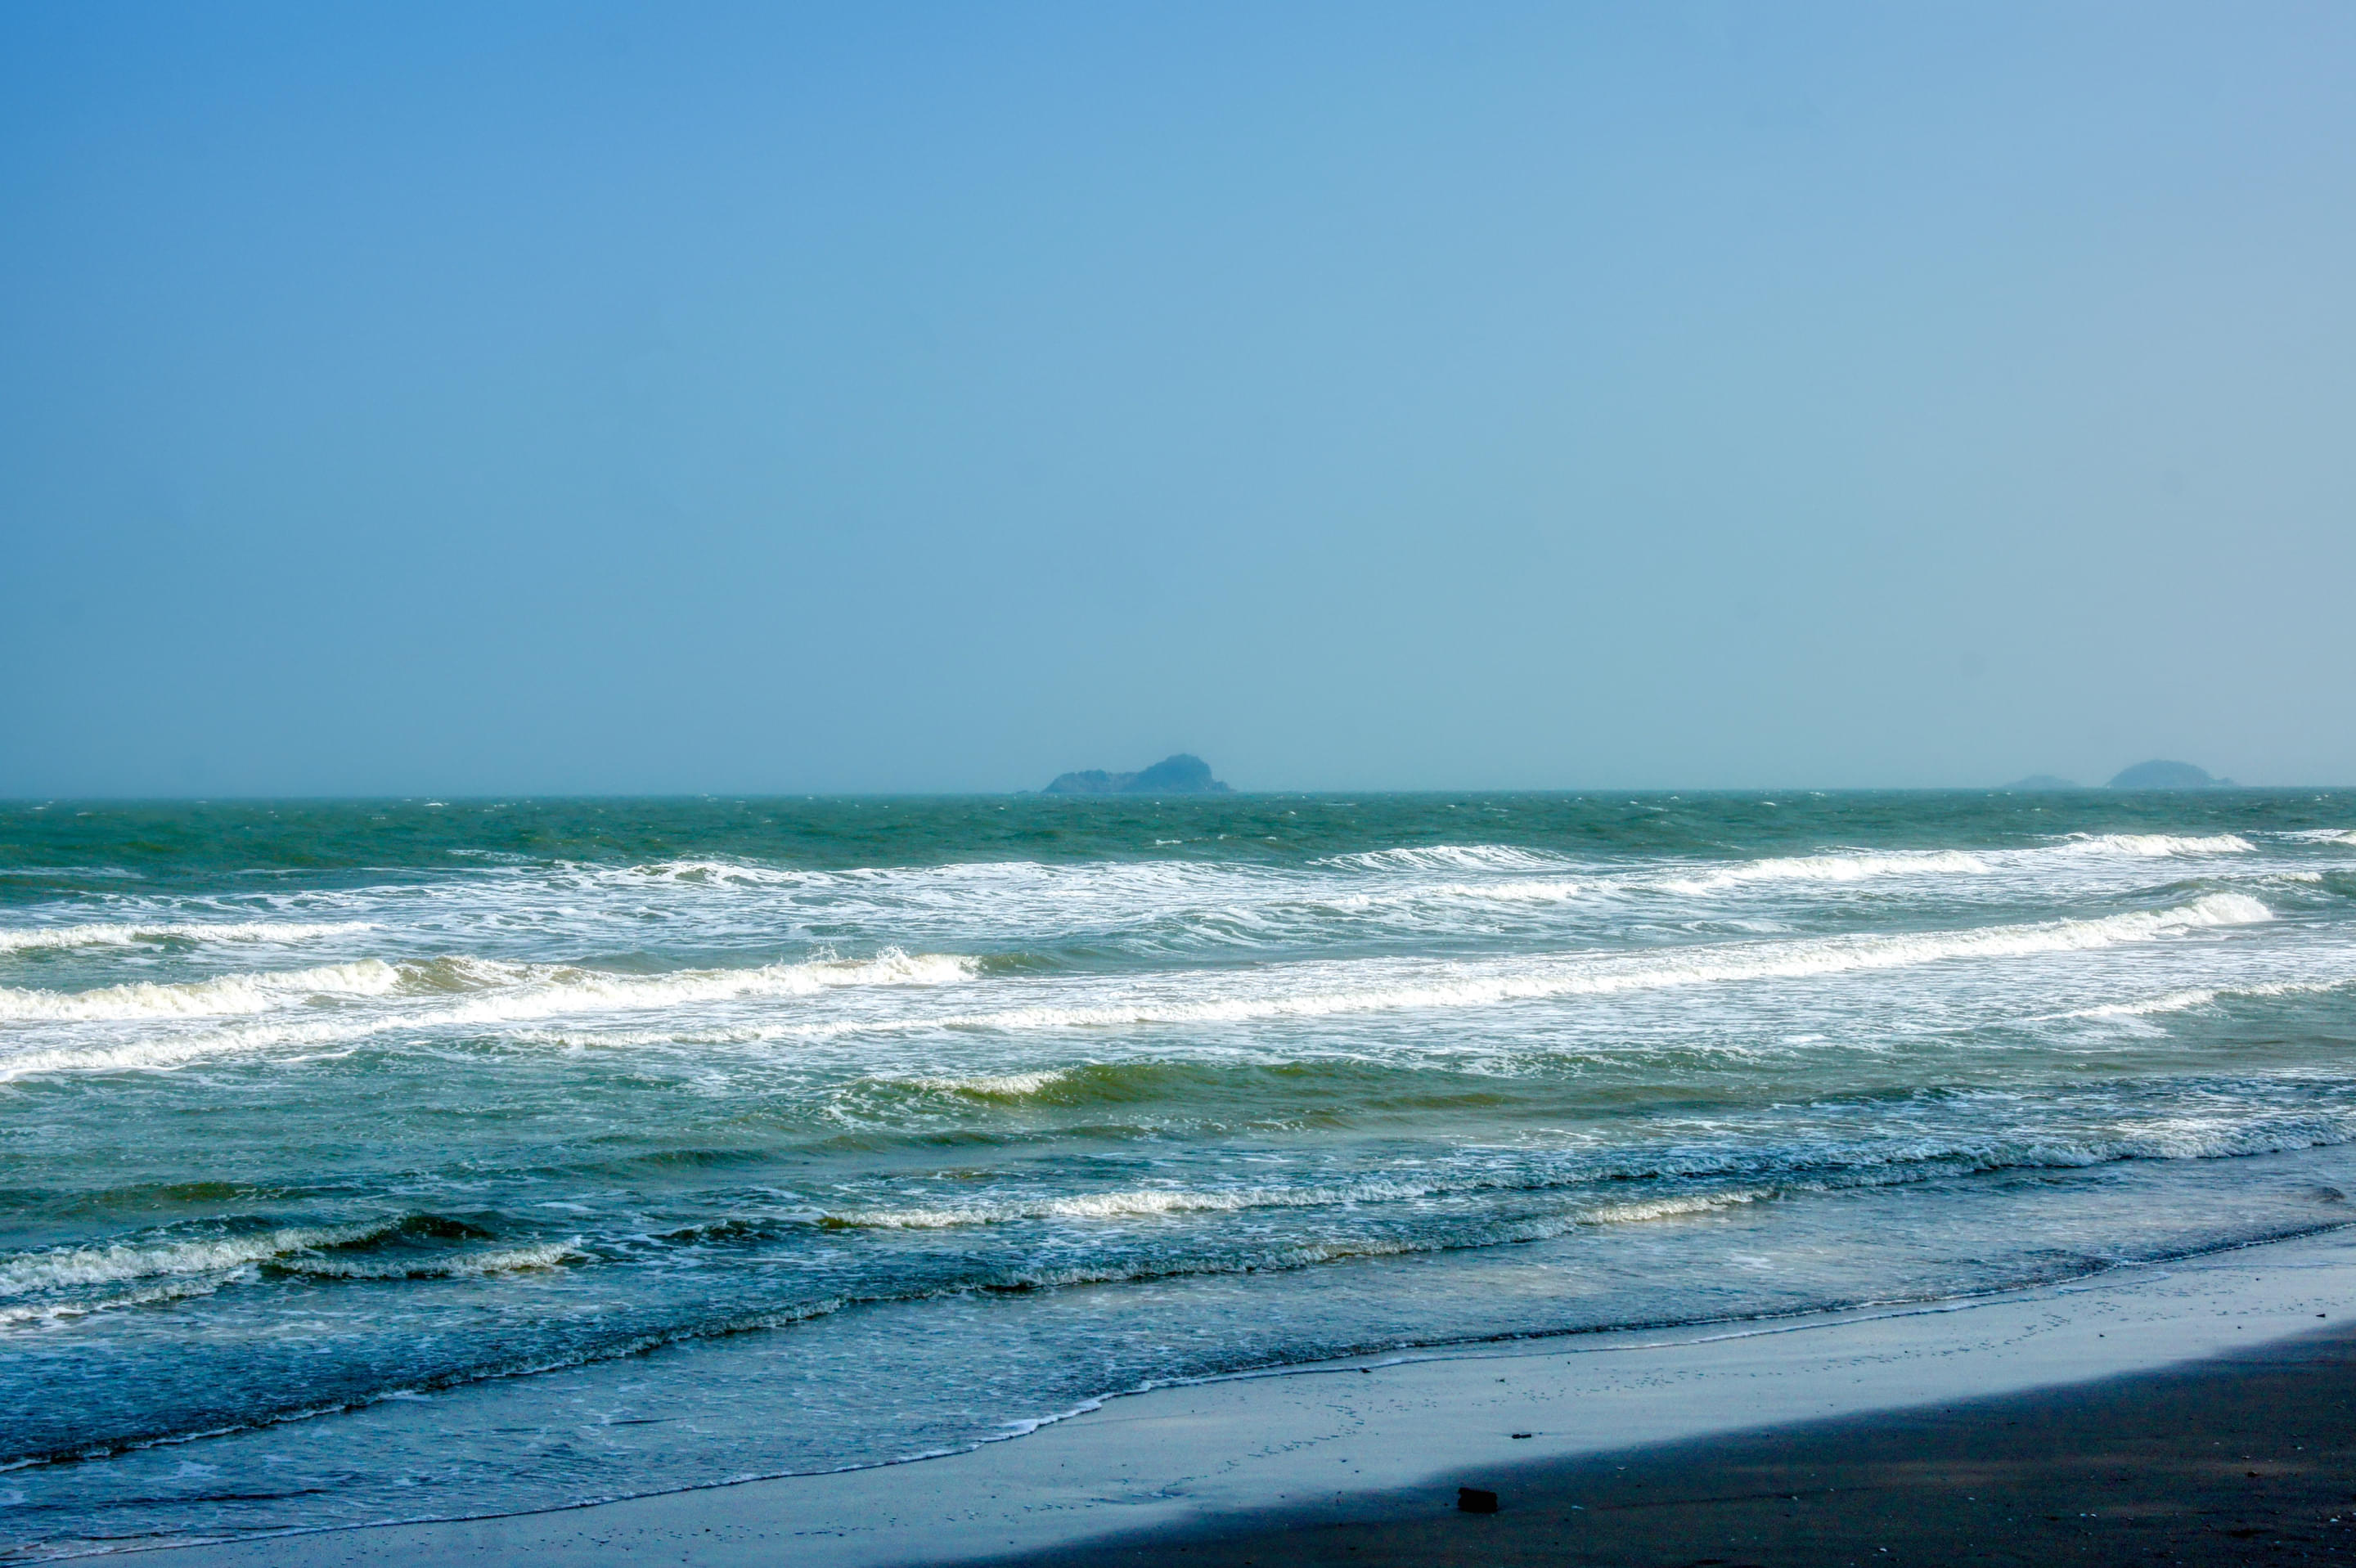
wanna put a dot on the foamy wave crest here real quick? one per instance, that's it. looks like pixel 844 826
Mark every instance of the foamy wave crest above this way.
pixel 1567 1198
pixel 990 1086
pixel 122 935
pixel 1854 868
pixel 465 1265
pixel 2158 846
pixel 722 871
pixel 2184 1001
pixel 521 992
pixel 1146 1204
pixel 1451 858
pixel 1540 980
pixel 22 1313
pixel 228 994
pixel 1158 1202
pixel 1522 890
pixel 68 1268
pixel 501 992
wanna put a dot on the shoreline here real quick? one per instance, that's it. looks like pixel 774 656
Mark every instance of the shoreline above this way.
pixel 1380 1443
pixel 2244 1457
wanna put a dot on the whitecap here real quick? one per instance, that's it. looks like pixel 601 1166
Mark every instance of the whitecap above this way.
pixel 2157 846
pixel 252 993
pixel 122 934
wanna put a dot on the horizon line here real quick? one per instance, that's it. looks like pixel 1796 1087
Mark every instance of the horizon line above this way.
pixel 1232 792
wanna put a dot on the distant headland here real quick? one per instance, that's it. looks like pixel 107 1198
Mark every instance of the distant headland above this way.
pixel 1180 774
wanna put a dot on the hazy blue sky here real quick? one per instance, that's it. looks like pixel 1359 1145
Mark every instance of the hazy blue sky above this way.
pixel 683 397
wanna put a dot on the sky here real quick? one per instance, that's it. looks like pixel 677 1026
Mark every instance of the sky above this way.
pixel 450 398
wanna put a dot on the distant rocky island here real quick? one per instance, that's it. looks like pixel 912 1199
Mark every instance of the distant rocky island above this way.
pixel 2153 774
pixel 1180 774
pixel 2167 775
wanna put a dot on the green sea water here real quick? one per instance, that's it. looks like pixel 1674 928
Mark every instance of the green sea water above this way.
pixel 363 1160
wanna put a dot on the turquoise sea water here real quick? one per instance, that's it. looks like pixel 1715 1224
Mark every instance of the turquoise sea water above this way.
pixel 373 1160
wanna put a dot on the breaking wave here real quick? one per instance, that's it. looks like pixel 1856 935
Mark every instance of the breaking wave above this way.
pixel 2185 1000
pixel 464 1265
pixel 110 933
pixel 495 992
pixel 1467 986
pixel 228 993
pixel 54 1284
pixel 1854 868
pixel 1452 857
pixel 121 1262
pixel 2158 846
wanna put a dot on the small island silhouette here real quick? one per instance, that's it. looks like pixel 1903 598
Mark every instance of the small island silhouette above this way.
pixel 2155 774
pixel 2167 775
pixel 1182 774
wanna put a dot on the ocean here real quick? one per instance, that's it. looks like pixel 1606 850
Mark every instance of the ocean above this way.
pixel 384 1161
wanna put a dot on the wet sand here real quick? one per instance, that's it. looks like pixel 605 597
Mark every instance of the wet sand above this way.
pixel 2247 1458
pixel 2197 1412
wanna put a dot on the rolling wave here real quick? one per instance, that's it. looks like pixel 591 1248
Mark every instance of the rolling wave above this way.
pixel 1850 868
pixel 112 933
pixel 118 1262
pixel 55 1282
pixel 464 1265
pixel 2185 1000
pixel 256 992
pixel 2158 845
pixel 1451 858
pixel 495 993
pixel 1468 986
pixel 1151 905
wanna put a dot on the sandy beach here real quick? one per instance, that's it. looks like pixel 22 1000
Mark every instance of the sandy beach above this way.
pixel 2156 1409
pixel 2247 1458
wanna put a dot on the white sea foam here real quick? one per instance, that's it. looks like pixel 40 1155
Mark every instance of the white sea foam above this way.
pixel 1518 890
pixel 462 1265
pixel 495 992
pixel 112 933
pixel 65 1268
pixel 990 1086
pixel 1146 1204
pixel 1705 878
pixel 1311 990
pixel 724 872
pixel 2203 997
pixel 1451 858
pixel 253 993
pixel 2158 846
pixel 1766 1175
pixel 1856 868
pixel 715 903
pixel 1473 986
pixel 518 992
pixel 17 1314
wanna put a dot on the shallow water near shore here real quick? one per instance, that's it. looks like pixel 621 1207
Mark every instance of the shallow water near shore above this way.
pixel 394 1159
